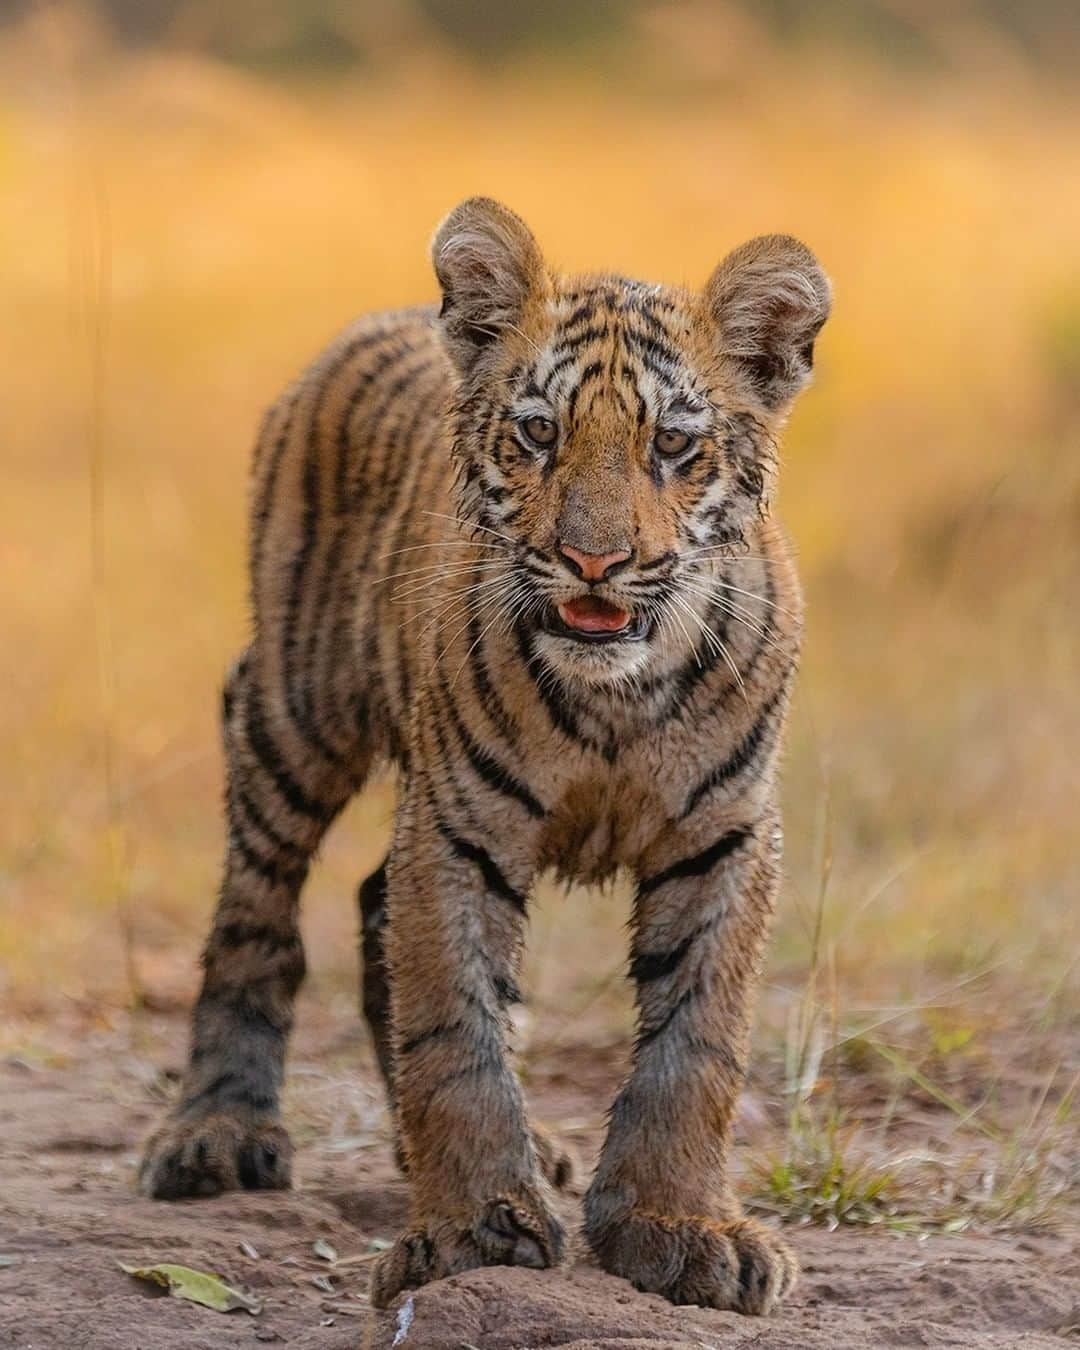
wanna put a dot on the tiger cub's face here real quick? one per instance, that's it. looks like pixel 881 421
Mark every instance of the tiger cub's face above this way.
pixel 615 439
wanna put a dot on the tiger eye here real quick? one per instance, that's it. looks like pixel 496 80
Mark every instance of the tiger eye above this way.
pixel 542 431
pixel 670 442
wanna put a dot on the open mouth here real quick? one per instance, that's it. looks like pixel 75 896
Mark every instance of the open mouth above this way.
pixel 588 618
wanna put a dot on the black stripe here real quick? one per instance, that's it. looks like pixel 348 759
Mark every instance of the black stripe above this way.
pixel 699 864
pixel 652 347
pixel 480 858
pixel 301 702
pixel 765 639
pixel 244 1089
pixel 662 374
pixel 394 466
pixel 271 760
pixel 237 933
pixel 246 1017
pixel 650 966
pixel 661 561
pixel 447 763
pixel 576 341
pixel 487 1063
pixel 256 818
pixel 485 764
pixel 370 340
pixel 702 661
pixel 439 1032
pixel 374 428
pixel 645 1038
pixel 383 362
pixel 492 704
pixel 556 369
pixel 272 870
pixel 419 453
pixel 323 597
pixel 644 311
pixel 552 697
pixel 592 372
pixel 506 990
pixel 261 513
pixel 584 311
pixel 740 757
pixel 301 560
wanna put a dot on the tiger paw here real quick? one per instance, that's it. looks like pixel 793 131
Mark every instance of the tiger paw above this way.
pixel 215 1153
pixel 504 1232
pixel 738 1265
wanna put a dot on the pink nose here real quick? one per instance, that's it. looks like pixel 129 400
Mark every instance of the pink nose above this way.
pixel 593 566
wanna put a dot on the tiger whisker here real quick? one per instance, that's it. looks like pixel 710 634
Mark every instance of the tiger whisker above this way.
pixel 470 525
pixel 720 552
pixel 485 584
pixel 457 606
pixel 416 592
pixel 475 613
pixel 718 645
pixel 689 640
pixel 478 639
pixel 458 592
pixel 532 344
pixel 740 612
pixel 443 569
pixel 752 595
pixel 442 543
pixel 739 616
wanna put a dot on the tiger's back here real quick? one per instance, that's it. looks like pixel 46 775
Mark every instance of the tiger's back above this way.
pixel 351 476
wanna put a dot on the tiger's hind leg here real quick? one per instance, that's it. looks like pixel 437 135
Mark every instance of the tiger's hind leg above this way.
pixel 555 1162
pixel 375 987
pixel 225 1132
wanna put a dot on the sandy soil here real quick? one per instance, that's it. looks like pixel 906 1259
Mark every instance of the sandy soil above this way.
pixel 71 1122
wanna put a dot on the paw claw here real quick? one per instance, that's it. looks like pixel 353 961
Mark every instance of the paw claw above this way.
pixel 739 1265
pixel 502 1233
pixel 212 1154
pixel 407 1265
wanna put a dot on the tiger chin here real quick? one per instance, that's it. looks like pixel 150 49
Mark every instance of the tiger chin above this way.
pixel 522 546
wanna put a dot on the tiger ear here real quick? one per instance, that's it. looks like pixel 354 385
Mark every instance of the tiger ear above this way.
pixel 489 267
pixel 768 300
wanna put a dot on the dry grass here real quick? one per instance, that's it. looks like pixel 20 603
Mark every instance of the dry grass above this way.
pixel 212 230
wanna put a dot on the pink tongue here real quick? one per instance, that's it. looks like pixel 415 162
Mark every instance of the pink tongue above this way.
pixel 589 614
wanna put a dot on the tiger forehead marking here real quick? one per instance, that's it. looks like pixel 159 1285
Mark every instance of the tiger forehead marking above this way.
pixel 523 548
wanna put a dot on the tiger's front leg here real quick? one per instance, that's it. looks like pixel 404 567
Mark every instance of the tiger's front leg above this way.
pixel 660 1211
pixel 457 892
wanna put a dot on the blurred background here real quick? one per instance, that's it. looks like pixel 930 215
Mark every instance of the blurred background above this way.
pixel 195 196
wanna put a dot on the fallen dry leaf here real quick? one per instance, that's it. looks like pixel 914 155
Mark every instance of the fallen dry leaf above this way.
pixel 196 1286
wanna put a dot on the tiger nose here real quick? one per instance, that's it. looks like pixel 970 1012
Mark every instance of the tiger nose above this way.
pixel 593 566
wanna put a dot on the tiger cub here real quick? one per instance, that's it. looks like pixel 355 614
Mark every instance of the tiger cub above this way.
pixel 523 548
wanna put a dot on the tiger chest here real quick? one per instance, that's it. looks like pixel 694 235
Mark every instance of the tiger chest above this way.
pixel 601 823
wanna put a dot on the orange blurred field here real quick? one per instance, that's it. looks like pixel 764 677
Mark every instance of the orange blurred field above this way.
pixel 178 237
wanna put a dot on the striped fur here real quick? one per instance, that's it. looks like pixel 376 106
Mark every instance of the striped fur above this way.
pixel 406 573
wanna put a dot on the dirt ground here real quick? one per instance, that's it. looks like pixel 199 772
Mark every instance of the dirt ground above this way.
pixel 72 1118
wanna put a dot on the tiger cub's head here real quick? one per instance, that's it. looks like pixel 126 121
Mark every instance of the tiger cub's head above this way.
pixel 613 439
